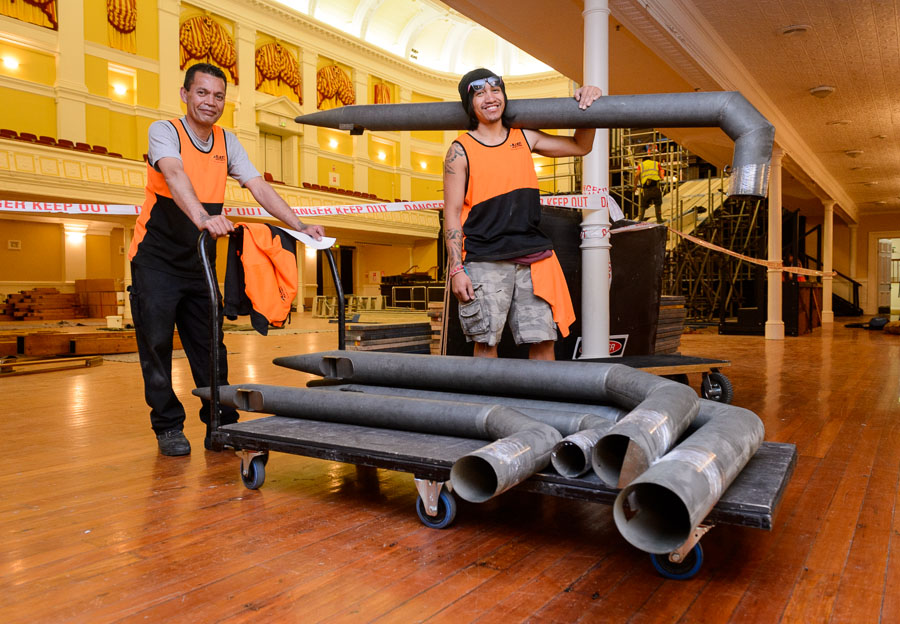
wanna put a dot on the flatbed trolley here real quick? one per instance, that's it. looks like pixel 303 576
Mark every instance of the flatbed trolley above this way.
pixel 750 501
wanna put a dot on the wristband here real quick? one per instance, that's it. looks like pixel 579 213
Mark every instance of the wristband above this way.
pixel 457 269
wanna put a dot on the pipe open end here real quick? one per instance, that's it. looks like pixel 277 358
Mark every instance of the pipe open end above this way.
pixel 652 517
pixel 474 479
pixel 248 400
pixel 569 459
pixel 336 367
pixel 608 456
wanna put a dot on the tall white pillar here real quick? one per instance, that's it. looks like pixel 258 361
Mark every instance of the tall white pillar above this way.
pixel 245 108
pixel 774 321
pixel 170 78
pixel 827 255
pixel 595 225
pixel 71 90
pixel 309 141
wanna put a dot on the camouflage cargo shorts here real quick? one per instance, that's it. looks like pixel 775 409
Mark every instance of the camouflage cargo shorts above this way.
pixel 504 290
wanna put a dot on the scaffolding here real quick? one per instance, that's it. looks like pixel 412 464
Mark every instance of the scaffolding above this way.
pixel 715 286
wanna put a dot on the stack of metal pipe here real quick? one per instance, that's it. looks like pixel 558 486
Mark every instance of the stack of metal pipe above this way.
pixel 671 454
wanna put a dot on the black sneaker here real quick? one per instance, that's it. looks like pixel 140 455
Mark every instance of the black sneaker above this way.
pixel 173 443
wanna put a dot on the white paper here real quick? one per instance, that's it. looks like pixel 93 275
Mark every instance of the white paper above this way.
pixel 309 241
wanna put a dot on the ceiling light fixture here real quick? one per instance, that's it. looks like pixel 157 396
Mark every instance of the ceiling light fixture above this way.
pixel 853 153
pixel 881 136
pixel 838 122
pixel 794 29
pixel 871 183
pixel 822 91
pixel 860 168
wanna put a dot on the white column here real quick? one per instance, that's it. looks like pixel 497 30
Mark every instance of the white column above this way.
pixel 774 321
pixel 405 146
pixel 70 86
pixel 854 231
pixel 827 255
pixel 595 226
pixel 361 141
pixel 309 141
pixel 245 108
pixel 170 78
pixel 76 251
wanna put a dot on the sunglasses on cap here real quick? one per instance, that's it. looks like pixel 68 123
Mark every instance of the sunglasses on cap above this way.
pixel 478 85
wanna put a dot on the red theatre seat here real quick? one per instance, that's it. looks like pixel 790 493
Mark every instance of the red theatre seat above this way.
pixel 99 149
pixel 46 140
pixel 115 155
pixel 27 136
pixel 82 147
pixel 268 177
pixel 6 133
pixel 65 144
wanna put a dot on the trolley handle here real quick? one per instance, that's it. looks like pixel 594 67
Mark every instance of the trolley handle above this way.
pixel 213 288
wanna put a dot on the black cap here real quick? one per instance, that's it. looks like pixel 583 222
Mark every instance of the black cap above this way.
pixel 475 74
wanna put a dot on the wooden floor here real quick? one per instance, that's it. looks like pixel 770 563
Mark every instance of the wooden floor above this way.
pixel 97 527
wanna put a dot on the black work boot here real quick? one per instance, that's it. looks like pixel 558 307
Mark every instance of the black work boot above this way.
pixel 173 443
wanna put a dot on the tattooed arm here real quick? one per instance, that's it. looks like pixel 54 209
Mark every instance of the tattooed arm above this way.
pixel 456 167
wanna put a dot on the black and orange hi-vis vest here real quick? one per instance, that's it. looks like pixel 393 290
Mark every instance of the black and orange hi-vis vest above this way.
pixel 164 237
pixel 501 212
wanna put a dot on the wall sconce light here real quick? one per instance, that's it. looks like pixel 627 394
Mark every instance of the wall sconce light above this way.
pixel 10 62
pixel 423 164
pixel 332 143
pixel 120 89
pixel 381 155
pixel 537 168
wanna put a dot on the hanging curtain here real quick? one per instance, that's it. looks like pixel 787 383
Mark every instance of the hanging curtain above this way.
pixel 277 71
pixel 121 18
pixel 40 12
pixel 203 39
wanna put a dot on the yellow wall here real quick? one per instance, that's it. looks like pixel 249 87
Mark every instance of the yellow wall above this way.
pixel 344 141
pixel 385 184
pixel 96 75
pixel 31 113
pixel 425 255
pixel 147 32
pixel 33 66
pixel 42 257
pixel 426 188
pixel 391 260
pixel 343 169
pixel 98 259
pixel 388 148
pixel 95 21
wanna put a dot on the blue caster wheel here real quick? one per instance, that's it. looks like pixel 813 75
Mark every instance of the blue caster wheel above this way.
pixel 445 514
pixel 684 569
pixel 256 475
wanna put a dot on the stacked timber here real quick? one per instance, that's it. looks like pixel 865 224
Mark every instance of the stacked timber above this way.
pixel 50 343
pixel 436 315
pixel 101 297
pixel 43 304
pixel 671 324
pixel 398 338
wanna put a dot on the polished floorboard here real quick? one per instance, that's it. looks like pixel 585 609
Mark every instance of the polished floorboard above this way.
pixel 96 527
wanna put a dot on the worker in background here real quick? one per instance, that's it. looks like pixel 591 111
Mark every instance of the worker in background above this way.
pixel 502 266
pixel 188 162
pixel 649 177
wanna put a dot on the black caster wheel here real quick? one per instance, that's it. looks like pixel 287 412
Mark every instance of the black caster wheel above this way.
pixel 684 569
pixel 256 475
pixel 445 515
pixel 717 387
